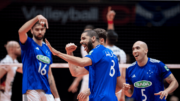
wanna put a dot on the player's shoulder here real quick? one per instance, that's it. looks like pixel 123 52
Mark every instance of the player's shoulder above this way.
pixel 6 59
pixel 154 61
pixel 119 49
pixel 132 65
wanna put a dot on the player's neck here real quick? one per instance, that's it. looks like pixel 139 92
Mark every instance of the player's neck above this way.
pixel 12 56
pixel 95 44
pixel 39 42
pixel 143 62
pixel 110 45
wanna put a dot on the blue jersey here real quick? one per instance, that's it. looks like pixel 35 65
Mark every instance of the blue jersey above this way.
pixel 36 61
pixel 103 74
pixel 147 80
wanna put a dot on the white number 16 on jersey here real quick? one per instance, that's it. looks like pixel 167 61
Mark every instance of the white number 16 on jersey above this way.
pixel 43 70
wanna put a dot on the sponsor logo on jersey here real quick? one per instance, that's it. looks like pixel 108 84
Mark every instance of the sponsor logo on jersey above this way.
pixel 166 68
pixel 42 58
pixel 142 84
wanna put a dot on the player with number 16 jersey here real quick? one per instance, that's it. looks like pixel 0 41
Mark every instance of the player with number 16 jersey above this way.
pixel 36 61
pixel 103 74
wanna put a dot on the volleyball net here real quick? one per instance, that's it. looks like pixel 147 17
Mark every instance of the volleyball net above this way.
pixel 65 65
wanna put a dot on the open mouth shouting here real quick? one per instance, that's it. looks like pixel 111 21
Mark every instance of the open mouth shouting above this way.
pixel 85 47
pixel 136 55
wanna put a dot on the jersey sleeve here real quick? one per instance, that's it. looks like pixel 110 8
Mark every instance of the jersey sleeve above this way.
pixel 95 56
pixel 87 68
pixel 164 71
pixel 26 45
pixel 118 70
pixel 128 80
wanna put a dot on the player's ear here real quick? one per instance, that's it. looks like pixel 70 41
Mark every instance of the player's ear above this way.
pixel 31 31
pixel 101 40
pixel 93 39
pixel 146 51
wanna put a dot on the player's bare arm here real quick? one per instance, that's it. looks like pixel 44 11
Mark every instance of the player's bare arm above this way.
pixel 19 69
pixel 2 72
pixel 173 85
pixel 52 84
pixel 76 71
pixel 28 25
pixel 82 62
pixel 119 84
pixel 128 89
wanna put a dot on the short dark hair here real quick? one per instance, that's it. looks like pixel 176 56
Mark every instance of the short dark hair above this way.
pixel 112 37
pixel 38 24
pixel 92 33
pixel 89 27
pixel 101 33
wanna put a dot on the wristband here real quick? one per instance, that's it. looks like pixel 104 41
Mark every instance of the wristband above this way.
pixel 110 22
pixel 57 99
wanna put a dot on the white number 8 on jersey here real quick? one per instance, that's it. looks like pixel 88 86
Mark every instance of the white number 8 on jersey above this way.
pixel 112 69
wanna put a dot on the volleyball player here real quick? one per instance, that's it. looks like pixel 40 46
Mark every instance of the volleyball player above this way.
pixel 8 73
pixel 85 79
pixel 38 81
pixel 144 78
pixel 101 64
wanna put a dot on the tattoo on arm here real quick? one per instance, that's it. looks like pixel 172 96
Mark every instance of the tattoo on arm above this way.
pixel 169 79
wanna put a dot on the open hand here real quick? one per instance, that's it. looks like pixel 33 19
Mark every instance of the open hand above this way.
pixel 82 96
pixel 162 94
pixel 53 51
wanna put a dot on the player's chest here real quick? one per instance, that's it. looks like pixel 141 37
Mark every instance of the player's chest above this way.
pixel 144 74
pixel 41 54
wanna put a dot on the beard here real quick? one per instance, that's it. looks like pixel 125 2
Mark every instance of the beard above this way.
pixel 38 38
pixel 90 46
pixel 17 54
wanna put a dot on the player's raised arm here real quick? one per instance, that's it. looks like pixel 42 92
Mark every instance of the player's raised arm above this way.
pixel 28 25
pixel 82 62
pixel 110 18
pixel 76 71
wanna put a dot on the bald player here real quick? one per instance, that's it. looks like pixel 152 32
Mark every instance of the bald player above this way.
pixel 8 73
pixel 144 78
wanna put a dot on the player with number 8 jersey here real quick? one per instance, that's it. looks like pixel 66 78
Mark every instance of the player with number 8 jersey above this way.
pixel 36 66
pixel 103 74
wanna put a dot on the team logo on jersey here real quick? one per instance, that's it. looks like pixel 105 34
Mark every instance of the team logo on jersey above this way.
pixel 42 58
pixel 142 84
pixel 166 68
pixel 90 52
